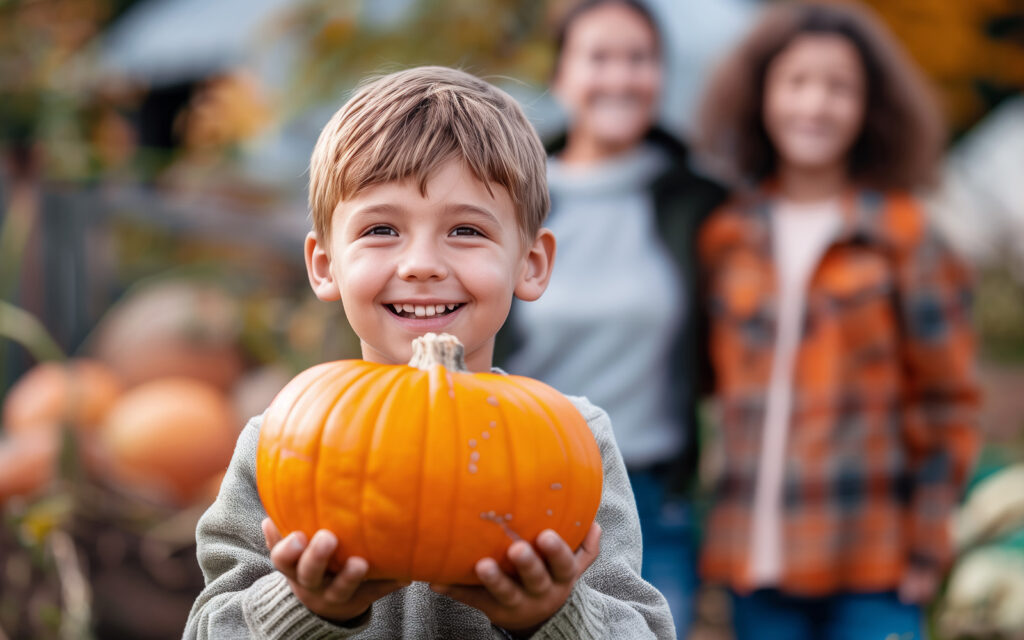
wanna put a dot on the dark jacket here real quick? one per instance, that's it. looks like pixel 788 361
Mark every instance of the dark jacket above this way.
pixel 682 201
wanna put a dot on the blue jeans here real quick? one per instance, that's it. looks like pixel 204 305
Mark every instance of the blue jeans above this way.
pixel 669 562
pixel 768 614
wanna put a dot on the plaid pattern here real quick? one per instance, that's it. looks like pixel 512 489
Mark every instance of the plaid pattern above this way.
pixel 883 430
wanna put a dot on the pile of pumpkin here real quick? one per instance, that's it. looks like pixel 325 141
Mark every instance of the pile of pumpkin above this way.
pixel 150 407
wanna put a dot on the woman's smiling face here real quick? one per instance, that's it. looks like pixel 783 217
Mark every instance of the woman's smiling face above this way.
pixel 814 101
pixel 609 76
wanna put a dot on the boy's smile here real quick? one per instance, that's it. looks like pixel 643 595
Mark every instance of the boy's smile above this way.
pixel 448 258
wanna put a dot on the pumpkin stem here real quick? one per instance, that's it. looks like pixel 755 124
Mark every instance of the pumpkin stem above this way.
pixel 443 349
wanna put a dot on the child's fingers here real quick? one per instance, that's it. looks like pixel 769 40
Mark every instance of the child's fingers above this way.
pixel 270 532
pixel 531 569
pixel 285 554
pixel 344 584
pixel 313 562
pixel 499 585
pixel 589 549
pixel 558 555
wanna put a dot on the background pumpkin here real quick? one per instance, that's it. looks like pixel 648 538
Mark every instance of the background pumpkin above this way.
pixel 425 469
pixel 168 437
pixel 27 463
pixel 77 393
pixel 168 328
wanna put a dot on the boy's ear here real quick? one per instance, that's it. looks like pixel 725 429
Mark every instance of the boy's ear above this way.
pixel 318 268
pixel 540 258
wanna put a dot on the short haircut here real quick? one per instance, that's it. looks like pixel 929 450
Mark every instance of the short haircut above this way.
pixel 409 123
pixel 902 135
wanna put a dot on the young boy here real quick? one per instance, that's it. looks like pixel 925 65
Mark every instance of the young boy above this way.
pixel 427 192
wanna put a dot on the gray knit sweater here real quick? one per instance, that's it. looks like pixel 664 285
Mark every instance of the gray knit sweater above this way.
pixel 246 598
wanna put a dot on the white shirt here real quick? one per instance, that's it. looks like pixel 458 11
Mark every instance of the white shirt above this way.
pixel 801 232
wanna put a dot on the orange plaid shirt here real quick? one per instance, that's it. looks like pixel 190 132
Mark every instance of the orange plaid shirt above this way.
pixel 883 426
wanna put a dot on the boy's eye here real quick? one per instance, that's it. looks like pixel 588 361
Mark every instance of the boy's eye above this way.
pixel 465 232
pixel 381 230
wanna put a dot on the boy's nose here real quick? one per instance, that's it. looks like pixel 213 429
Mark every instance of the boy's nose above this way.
pixel 422 262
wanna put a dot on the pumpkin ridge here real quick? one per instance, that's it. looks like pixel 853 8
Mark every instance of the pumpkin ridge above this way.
pixel 579 444
pixel 569 484
pixel 549 400
pixel 325 429
pixel 266 472
pixel 281 428
pixel 329 384
pixel 418 505
pixel 526 391
pixel 372 380
pixel 440 373
pixel 506 423
pixel 513 479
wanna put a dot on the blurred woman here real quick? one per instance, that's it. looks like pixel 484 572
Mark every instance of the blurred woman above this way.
pixel 840 334
pixel 615 322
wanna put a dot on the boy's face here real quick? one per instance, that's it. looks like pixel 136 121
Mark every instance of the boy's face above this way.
pixel 404 264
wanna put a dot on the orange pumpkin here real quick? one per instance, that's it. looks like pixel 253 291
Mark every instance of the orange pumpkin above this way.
pixel 77 393
pixel 172 328
pixel 425 469
pixel 27 463
pixel 168 437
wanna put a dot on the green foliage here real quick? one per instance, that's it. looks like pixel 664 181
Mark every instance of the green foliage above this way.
pixel 344 41
pixel 999 316
pixel 42 95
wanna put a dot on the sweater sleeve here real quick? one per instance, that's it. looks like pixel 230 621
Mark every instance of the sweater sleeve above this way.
pixel 941 396
pixel 245 597
pixel 611 600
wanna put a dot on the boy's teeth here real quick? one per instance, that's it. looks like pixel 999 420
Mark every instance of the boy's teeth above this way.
pixel 423 310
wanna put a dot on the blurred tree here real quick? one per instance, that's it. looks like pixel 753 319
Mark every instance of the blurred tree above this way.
pixel 41 91
pixel 45 124
pixel 343 41
pixel 972 49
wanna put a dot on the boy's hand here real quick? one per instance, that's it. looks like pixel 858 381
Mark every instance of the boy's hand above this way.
pixel 339 597
pixel 523 604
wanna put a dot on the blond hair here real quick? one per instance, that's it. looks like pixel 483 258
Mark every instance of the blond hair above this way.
pixel 407 124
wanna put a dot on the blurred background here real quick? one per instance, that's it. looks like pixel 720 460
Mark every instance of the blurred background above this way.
pixel 152 211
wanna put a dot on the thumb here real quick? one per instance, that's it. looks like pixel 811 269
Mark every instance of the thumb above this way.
pixel 270 532
pixel 590 548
